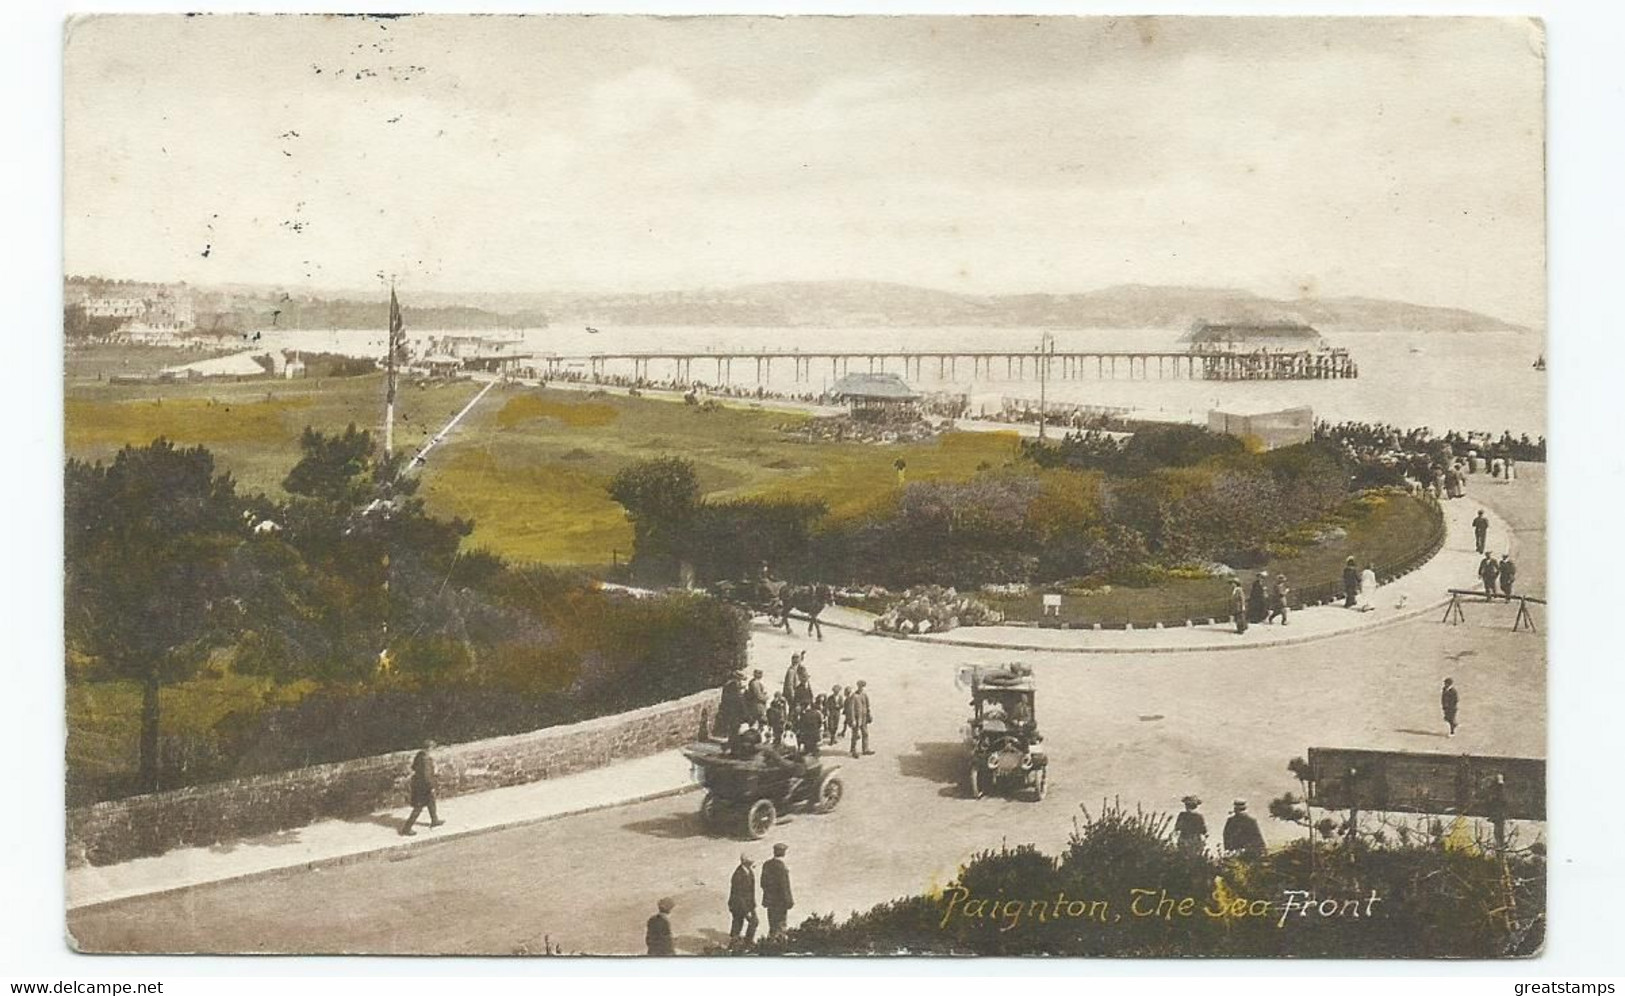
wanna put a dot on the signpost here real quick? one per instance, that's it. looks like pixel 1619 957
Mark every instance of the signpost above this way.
pixel 1494 788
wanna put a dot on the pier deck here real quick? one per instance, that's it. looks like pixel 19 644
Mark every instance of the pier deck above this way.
pixel 1335 364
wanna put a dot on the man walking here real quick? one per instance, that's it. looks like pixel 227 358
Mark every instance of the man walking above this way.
pixel 421 791
pixel 1481 529
pixel 1190 827
pixel 858 718
pixel 1351 583
pixel 1488 572
pixel 742 903
pixel 657 934
pixel 776 894
pixel 1241 833
pixel 1506 571
pixel 834 702
pixel 1448 701
pixel 1278 600
pixel 1238 605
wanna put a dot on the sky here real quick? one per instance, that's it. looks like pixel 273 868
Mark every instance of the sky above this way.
pixel 1396 158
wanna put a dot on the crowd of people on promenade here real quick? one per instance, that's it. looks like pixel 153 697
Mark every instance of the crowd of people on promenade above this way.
pixel 1438 465
pixel 943 405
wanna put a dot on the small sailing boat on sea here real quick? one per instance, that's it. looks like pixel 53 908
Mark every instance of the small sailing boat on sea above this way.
pixel 1540 362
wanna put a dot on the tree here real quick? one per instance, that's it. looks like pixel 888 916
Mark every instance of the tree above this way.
pixel 661 497
pixel 377 563
pixel 148 539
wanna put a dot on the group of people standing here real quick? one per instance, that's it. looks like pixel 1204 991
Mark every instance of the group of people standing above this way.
pixel 776 897
pixel 1241 832
pixel 813 720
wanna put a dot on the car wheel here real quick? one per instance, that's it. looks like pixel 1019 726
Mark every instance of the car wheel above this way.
pixel 710 810
pixel 829 794
pixel 975 780
pixel 759 819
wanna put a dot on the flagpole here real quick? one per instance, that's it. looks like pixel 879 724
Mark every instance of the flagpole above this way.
pixel 389 367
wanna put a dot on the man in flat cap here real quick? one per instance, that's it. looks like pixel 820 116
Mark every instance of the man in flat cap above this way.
pixel 742 902
pixel 1190 827
pixel 658 934
pixel 756 699
pixel 776 894
pixel 858 717
pixel 1241 833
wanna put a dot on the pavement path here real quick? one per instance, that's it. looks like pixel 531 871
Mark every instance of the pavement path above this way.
pixel 333 841
pixel 561 859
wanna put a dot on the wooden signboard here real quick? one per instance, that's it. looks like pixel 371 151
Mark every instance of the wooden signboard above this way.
pixel 1508 788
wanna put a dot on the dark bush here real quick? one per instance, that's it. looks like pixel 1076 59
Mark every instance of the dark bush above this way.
pixel 1120 867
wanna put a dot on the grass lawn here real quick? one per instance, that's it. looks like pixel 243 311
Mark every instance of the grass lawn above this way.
pixel 251 426
pixel 1389 532
pixel 529 465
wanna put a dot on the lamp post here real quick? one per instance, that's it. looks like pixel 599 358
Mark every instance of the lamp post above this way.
pixel 1046 347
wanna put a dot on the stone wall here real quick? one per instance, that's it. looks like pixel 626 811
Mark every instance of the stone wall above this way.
pixel 111 832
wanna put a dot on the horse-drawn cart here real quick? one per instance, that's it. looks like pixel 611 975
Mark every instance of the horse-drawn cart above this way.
pixel 747 794
pixel 777 600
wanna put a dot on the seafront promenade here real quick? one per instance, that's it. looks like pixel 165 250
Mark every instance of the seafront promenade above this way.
pixel 849 650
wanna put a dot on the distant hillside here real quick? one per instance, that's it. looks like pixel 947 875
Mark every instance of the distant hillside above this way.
pixel 857 303
pixel 834 303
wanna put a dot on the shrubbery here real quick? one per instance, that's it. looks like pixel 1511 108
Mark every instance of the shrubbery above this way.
pixel 1434 899
pixel 1089 507
pixel 349 584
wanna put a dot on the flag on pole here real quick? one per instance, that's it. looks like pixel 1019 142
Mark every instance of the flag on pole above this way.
pixel 397 341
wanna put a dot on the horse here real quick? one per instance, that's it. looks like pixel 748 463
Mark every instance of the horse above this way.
pixel 778 599
pixel 809 600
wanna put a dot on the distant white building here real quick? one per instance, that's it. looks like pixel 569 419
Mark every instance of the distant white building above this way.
pixel 156 320
pixel 115 307
pixel 1270 430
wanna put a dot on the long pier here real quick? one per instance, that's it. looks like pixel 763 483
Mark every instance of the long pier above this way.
pixel 1333 364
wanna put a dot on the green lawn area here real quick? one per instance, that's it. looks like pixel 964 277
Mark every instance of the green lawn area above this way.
pixel 251 426
pixel 1394 529
pixel 528 465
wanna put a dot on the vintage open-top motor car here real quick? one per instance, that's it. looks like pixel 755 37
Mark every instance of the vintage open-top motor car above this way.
pixel 746 790
pixel 1006 749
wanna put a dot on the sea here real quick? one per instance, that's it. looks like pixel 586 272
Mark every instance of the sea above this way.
pixel 1468 381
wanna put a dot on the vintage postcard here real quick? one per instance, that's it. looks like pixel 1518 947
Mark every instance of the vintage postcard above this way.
pixel 749 486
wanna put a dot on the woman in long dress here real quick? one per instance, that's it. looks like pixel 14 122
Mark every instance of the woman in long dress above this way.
pixel 1368 589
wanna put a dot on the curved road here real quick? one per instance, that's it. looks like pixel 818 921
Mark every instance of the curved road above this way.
pixel 1145 729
